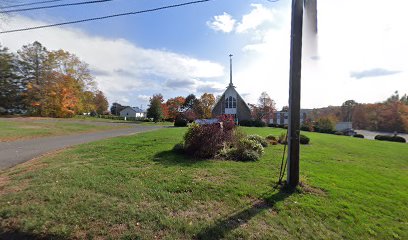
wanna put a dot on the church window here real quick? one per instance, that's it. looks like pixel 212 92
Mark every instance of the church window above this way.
pixel 231 102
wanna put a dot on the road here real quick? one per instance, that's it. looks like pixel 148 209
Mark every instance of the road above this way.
pixel 371 134
pixel 14 153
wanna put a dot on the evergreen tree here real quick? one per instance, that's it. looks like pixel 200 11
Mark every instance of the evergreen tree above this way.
pixel 10 97
pixel 155 109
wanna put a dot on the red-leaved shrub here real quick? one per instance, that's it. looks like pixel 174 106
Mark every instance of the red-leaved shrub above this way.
pixel 205 141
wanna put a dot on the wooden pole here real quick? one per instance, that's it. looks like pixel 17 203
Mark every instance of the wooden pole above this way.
pixel 294 93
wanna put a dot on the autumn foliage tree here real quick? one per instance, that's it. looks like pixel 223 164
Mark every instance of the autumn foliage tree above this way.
pixel 207 101
pixel 49 83
pixel 174 107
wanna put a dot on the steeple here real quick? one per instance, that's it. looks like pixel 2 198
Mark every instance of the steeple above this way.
pixel 230 84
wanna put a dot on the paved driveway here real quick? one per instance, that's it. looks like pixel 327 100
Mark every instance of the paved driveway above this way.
pixel 13 153
pixel 370 134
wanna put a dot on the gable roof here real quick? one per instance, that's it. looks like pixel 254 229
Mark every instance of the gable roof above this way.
pixel 223 96
pixel 135 109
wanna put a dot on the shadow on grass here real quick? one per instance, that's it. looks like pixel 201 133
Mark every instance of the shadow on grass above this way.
pixel 19 235
pixel 222 227
pixel 171 158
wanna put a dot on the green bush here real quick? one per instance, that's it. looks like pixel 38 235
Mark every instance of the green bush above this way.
pixel 390 138
pixel 246 123
pixel 304 139
pixel 325 125
pixel 259 123
pixel 180 121
pixel 252 123
pixel 358 136
pixel 242 148
pixel 258 139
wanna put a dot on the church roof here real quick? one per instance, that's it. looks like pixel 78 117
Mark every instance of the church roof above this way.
pixel 239 96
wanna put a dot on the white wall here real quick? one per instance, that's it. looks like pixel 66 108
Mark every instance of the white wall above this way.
pixel 128 112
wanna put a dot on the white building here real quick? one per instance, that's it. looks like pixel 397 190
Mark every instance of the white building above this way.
pixel 133 112
pixel 282 118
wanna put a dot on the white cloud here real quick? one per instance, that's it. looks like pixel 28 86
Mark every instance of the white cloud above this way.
pixel 351 39
pixel 224 23
pixel 258 16
pixel 121 68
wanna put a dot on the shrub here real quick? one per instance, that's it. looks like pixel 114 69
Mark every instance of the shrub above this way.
pixel 304 139
pixel 325 125
pixel 282 139
pixel 272 125
pixel 242 148
pixel 206 140
pixel 307 126
pixel 259 123
pixel 258 139
pixel 339 133
pixel 252 123
pixel 180 121
pixel 390 138
pixel 358 136
pixel 271 137
pixel 246 123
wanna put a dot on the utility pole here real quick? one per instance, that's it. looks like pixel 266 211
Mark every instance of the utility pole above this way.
pixel 294 93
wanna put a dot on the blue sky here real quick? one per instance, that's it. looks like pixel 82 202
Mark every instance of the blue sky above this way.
pixel 185 50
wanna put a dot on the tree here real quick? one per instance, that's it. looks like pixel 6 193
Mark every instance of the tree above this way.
pixel 155 109
pixel 207 101
pixel 33 67
pixel 285 109
pixel 116 108
pixel 189 102
pixel 347 109
pixel 174 107
pixel 326 124
pixel 10 96
pixel 192 108
pixel 265 108
pixel 100 102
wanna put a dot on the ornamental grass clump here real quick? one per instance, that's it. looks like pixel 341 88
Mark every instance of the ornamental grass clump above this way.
pixel 258 139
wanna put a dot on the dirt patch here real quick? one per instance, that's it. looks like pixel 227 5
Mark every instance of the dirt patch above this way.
pixel 205 176
pixel 117 230
pixel 312 190
pixel 206 211
pixel 4 181
pixel 7 188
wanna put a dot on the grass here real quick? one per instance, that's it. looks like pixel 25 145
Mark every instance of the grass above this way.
pixel 12 129
pixel 136 187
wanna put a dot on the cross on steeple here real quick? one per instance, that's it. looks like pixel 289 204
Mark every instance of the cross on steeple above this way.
pixel 231 70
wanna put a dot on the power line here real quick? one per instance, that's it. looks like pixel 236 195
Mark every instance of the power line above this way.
pixel 29 4
pixel 105 17
pixel 54 6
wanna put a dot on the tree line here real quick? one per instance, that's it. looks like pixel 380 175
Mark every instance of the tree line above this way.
pixel 390 115
pixel 40 82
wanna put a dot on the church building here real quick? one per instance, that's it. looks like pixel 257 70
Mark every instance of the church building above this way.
pixel 231 103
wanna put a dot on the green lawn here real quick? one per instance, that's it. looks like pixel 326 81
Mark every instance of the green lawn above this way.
pixel 135 187
pixel 15 129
